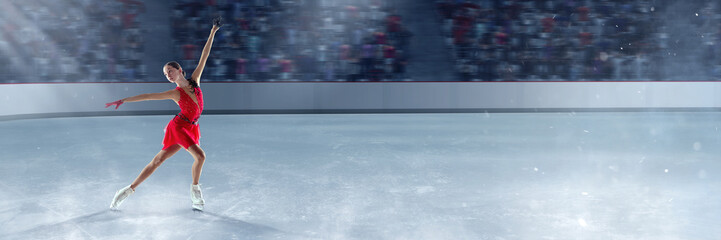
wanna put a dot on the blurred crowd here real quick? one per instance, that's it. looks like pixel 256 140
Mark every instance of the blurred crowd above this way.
pixel 70 40
pixel 505 40
pixel 366 40
pixel 264 40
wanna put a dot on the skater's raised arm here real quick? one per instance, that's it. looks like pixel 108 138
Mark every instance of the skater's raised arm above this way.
pixel 206 51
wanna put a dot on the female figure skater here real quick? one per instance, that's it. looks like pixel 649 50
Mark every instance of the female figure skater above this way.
pixel 183 130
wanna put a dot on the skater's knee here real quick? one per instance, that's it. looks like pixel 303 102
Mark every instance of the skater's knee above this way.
pixel 157 161
pixel 200 157
pixel 197 153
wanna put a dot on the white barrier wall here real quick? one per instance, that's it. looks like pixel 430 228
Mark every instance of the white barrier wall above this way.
pixel 69 99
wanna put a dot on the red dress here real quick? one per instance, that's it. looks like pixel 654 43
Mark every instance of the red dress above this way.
pixel 183 129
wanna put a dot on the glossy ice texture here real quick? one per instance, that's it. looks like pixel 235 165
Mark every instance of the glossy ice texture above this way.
pixel 387 176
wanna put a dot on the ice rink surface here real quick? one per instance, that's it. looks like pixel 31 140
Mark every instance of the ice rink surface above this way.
pixel 626 175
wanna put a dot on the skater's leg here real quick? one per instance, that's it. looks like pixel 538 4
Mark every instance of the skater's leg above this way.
pixel 199 156
pixel 196 196
pixel 154 164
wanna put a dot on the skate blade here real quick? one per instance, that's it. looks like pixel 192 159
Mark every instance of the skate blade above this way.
pixel 114 206
pixel 198 208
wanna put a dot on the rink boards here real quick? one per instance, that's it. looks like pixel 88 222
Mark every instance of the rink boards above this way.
pixel 87 99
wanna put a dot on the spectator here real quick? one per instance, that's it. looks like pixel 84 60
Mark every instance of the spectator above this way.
pixel 73 37
pixel 399 67
pixel 286 66
pixel 566 39
pixel 548 23
pixel 585 38
pixel 583 12
pixel 291 27
pixel 189 50
pixel 264 65
pixel 241 72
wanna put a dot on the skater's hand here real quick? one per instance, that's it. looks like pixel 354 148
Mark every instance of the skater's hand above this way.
pixel 116 103
pixel 217 22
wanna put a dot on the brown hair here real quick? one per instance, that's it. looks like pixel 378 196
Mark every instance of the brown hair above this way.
pixel 176 65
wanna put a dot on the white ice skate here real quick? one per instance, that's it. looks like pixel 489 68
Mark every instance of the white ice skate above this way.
pixel 120 196
pixel 197 197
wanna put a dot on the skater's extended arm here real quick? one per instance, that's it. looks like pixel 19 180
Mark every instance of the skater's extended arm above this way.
pixel 170 94
pixel 206 52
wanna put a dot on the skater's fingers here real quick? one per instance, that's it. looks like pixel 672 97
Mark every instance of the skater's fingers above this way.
pixel 218 21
